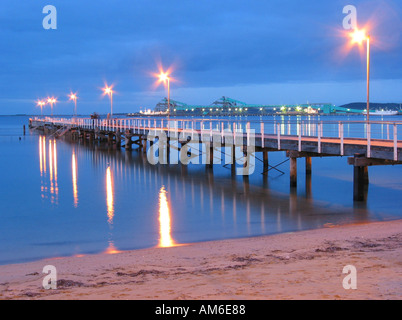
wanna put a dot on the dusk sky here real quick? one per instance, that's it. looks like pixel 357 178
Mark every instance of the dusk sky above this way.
pixel 257 51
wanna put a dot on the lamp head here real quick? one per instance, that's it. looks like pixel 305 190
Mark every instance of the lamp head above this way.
pixel 108 90
pixel 163 77
pixel 358 36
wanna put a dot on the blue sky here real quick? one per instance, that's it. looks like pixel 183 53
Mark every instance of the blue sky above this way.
pixel 258 51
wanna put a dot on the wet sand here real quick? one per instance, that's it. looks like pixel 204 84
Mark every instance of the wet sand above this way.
pixel 300 265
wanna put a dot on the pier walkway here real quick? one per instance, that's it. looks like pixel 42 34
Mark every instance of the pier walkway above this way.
pixel 366 144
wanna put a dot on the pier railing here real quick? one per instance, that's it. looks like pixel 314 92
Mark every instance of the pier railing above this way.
pixel 380 133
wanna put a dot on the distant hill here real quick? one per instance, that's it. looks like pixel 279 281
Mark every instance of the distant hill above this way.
pixel 373 106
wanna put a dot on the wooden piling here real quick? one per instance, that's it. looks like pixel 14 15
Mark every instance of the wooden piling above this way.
pixel 246 168
pixel 360 179
pixel 110 138
pixel 168 150
pixel 358 184
pixel 366 175
pixel 209 157
pixel 144 145
pixel 265 161
pixel 308 165
pixel 128 142
pixel 293 172
pixel 308 187
pixel 233 165
pixel 118 139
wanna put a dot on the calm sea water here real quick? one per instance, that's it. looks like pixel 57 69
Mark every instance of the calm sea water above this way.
pixel 63 199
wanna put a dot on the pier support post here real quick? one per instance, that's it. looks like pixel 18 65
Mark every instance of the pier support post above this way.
pixel 265 162
pixel 366 175
pixel 184 171
pixel 308 165
pixel 233 164
pixel 144 144
pixel 96 133
pixel 209 157
pixel 246 172
pixel 168 150
pixel 110 138
pixel 308 187
pixel 118 139
pixel 360 179
pixel 128 142
pixel 293 172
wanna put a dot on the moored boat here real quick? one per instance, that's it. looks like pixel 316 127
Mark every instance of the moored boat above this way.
pixel 383 113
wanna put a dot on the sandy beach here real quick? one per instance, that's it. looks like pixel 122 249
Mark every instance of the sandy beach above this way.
pixel 300 265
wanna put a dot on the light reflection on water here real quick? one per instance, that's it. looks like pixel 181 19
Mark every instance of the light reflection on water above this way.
pixel 53 165
pixel 111 249
pixel 165 229
pixel 109 196
pixel 74 177
pixel 125 203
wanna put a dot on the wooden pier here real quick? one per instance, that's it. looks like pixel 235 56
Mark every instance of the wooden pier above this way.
pixel 365 144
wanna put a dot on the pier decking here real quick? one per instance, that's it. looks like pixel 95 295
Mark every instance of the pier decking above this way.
pixel 366 144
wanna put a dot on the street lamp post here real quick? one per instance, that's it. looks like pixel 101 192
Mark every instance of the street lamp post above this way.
pixel 164 77
pixel 368 78
pixel 108 90
pixel 41 103
pixel 358 36
pixel 51 101
pixel 168 90
pixel 74 97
